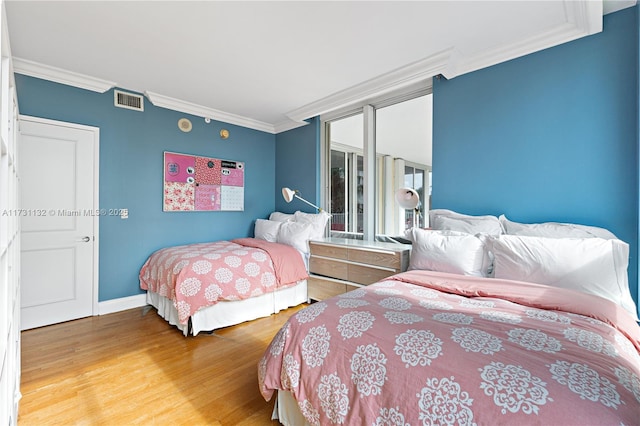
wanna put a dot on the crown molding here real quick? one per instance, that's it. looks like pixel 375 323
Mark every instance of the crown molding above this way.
pixel 283 126
pixel 202 111
pixel 59 75
pixel 418 71
pixel 610 6
pixel 585 15
pixel 582 18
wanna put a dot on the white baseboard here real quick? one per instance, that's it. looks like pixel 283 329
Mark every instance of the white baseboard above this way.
pixel 122 304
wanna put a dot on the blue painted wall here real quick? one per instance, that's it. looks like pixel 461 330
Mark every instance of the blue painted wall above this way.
pixel 552 136
pixel 637 8
pixel 298 166
pixel 131 174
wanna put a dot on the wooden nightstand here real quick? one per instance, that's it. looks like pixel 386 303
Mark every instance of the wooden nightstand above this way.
pixel 338 265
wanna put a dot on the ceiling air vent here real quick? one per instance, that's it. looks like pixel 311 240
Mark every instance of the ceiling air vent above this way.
pixel 128 100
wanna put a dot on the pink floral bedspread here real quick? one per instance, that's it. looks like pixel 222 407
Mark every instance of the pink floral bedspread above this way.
pixel 199 275
pixel 435 348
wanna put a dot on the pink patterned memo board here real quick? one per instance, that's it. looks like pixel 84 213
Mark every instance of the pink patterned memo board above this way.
pixel 195 183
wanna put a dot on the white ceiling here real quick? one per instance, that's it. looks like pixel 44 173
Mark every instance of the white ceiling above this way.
pixel 269 65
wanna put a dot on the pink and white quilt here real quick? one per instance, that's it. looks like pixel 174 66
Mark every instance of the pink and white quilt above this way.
pixel 195 276
pixel 435 348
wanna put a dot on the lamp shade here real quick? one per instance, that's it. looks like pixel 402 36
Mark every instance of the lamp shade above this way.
pixel 407 198
pixel 288 194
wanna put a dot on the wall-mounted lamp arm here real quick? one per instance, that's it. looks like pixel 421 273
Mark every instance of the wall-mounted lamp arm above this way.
pixel 290 194
pixel 312 205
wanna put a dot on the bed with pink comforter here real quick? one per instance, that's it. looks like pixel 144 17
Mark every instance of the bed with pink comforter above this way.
pixel 434 348
pixel 196 276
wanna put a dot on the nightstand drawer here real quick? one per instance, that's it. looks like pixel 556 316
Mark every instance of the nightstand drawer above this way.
pixel 376 257
pixel 328 267
pixel 366 275
pixel 335 252
pixel 320 288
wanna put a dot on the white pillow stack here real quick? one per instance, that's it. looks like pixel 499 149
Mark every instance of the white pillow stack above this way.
pixel 579 257
pixel 292 229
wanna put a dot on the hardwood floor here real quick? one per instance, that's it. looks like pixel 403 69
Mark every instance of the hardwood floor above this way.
pixel 132 367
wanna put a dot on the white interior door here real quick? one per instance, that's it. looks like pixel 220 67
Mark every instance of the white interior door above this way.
pixel 58 190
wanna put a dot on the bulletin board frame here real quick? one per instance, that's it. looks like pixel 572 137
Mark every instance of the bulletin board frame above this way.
pixel 200 183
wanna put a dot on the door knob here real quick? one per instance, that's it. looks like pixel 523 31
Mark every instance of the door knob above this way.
pixel 85 239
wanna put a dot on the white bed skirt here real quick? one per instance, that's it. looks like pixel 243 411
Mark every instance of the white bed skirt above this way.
pixel 224 314
pixel 286 410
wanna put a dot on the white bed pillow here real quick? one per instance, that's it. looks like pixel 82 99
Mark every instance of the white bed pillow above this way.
pixel 267 230
pixel 448 251
pixel 318 222
pixel 281 217
pixel 296 235
pixel 554 230
pixel 433 214
pixel 469 224
pixel 592 265
pixel 443 212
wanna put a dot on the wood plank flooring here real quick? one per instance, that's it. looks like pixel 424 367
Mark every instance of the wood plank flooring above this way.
pixel 133 368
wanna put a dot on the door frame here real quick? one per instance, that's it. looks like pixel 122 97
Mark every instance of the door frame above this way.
pixel 96 194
